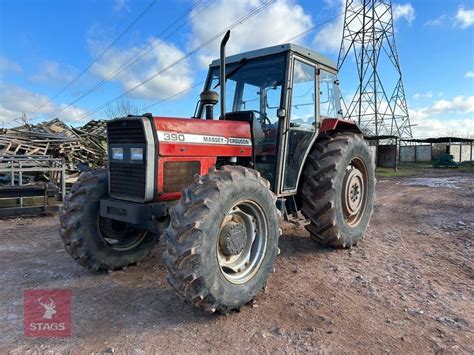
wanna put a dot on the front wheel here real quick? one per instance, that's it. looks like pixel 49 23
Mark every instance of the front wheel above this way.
pixel 338 189
pixel 222 241
pixel 98 243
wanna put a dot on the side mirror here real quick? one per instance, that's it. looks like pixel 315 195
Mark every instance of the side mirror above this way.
pixel 281 113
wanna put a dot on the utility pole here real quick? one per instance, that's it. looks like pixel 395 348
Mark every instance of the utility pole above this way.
pixel 379 104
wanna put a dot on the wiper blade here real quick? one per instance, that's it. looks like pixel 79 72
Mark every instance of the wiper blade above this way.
pixel 239 66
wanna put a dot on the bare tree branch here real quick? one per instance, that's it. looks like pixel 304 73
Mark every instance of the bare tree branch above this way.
pixel 120 108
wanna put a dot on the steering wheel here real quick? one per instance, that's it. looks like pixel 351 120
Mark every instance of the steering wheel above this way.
pixel 263 118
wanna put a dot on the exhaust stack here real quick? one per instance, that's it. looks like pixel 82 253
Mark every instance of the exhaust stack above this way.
pixel 222 76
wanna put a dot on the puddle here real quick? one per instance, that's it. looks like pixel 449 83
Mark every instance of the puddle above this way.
pixel 446 182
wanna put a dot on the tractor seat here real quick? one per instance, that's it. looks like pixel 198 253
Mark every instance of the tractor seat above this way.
pixel 241 116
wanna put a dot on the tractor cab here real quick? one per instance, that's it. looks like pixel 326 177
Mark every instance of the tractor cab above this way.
pixel 285 92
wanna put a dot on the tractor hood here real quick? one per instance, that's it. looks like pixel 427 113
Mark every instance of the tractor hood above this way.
pixel 197 137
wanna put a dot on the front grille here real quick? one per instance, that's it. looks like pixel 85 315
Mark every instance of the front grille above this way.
pixel 126 131
pixel 127 181
pixel 127 177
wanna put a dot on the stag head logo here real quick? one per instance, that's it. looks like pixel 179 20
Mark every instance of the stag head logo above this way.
pixel 47 313
pixel 49 307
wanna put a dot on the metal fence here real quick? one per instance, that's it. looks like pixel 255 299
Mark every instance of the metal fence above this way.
pixel 19 177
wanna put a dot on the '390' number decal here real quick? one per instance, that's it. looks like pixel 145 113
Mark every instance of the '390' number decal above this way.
pixel 174 137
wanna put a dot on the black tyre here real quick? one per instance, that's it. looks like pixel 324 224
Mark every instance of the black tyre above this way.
pixel 338 189
pixel 95 242
pixel 222 241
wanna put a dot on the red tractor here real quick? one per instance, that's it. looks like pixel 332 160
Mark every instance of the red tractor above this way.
pixel 216 184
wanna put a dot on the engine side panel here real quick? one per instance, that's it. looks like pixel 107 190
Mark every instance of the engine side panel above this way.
pixel 203 138
pixel 164 194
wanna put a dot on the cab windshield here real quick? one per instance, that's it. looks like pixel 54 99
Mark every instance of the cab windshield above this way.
pixel 256 85
pixel 252 85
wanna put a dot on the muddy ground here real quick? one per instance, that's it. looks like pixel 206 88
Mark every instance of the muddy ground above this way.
pixel 408 287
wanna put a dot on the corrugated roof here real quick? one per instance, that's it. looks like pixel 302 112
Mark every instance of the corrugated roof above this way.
pixel 441 140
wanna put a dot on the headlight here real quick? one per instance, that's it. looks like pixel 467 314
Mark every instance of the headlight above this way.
pixel 117 153
pixel 136 153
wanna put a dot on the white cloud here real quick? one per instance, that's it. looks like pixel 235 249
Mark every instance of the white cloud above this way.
pixel 436 120
pixel 7 65
pixel 329 38
pixel 426 95
pixel 275 24
pixel 14 100
pixel 177 78
pixel 332 3
pixel 405 11
pixel 120 5
pixel 464 18
pixel 434 127
pixel 439 21
pixel 51 72
pixel 459 104
pixel 470 74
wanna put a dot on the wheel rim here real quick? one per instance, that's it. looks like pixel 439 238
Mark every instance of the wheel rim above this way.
pixel 242 242
pixel 118 235
pixel 354 191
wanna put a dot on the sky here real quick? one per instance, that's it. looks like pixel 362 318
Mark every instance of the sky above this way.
pixel 64 58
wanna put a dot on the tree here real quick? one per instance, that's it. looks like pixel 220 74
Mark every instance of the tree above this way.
pixel 23 120
pixel 121 107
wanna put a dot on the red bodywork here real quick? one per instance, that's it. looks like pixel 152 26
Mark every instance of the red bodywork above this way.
pixel 184 140
pixel 334 124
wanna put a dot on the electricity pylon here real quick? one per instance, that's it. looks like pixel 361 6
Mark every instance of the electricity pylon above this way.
pixel 379 105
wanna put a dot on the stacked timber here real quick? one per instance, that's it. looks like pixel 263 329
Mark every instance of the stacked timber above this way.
pixel 82 148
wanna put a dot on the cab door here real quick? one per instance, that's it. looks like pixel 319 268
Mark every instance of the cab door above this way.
pixel 300 129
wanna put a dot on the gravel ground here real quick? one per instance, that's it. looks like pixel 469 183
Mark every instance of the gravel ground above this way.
pixel 408 287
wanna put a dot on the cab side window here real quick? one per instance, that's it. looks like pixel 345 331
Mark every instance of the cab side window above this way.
pixel 303 109
pixel 329 95
pixel 302 121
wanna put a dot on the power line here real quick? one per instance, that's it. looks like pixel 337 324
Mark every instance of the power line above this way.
pixel 190 53
pixel 174 95
pixel 238 22
pixel 152 3
pixel 309 30
pixel 135 59
pixel 304 33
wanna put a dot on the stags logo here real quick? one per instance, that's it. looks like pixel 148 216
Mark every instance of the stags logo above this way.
pixel 47 313
pixel 49 308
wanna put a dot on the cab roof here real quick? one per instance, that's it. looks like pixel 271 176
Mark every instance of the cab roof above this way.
pixel 305 52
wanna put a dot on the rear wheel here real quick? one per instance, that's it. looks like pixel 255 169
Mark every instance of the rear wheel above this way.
pixel 223 239
pixel 98 243
pixel 337 189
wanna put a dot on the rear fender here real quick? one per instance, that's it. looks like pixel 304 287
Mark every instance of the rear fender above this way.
pixel 328 126
pixel 336 125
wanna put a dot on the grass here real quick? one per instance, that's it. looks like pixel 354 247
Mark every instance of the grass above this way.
pixel 406 169
pixel 415 169
pixel 467 167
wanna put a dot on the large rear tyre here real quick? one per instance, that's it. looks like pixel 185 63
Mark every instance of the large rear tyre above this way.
pixel 222 241
pixel 338 189
pixel 98 243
